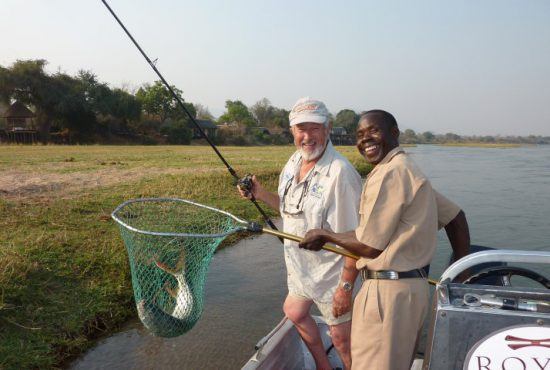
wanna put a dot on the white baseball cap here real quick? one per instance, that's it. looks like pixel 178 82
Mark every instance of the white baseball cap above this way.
pixel 308 110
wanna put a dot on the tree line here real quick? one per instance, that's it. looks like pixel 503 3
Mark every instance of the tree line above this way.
pixel 82 109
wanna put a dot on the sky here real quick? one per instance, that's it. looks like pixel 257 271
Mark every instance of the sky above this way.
pixel 467 67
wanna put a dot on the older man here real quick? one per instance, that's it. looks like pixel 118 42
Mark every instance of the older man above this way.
pixel 318 188
pixel 396 237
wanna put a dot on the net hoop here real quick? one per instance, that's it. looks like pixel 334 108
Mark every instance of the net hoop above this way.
pixel 156 233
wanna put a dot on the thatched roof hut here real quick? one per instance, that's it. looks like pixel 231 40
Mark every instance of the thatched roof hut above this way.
pixel 18 110
pixel 18 116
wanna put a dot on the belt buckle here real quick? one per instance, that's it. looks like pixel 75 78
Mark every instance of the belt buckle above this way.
pixel 388 274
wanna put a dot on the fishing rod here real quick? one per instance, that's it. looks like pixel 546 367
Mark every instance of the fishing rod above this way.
pixel 245 182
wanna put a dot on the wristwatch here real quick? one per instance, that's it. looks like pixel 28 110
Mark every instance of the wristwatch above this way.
pixel 347 286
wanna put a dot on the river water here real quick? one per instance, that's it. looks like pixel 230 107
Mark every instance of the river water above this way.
pixel 504 192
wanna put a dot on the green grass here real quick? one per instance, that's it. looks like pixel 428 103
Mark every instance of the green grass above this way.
pixel 64 277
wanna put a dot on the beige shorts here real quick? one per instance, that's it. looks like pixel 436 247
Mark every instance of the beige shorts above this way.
pixel 325 309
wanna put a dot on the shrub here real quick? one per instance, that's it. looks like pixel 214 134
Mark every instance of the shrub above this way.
pixel 277 139
pixel 147 140
pixel 176 132
pixel 238 140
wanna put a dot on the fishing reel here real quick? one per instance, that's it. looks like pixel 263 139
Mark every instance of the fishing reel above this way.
pixel 245 184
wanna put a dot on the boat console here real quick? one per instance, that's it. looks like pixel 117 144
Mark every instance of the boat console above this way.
pixel 483 327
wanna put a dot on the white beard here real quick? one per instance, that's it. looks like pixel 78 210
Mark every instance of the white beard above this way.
pixel 316 153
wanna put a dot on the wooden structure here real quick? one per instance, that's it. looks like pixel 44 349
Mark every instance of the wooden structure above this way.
pixel 339 136
pixel 206 125
pixel 20 126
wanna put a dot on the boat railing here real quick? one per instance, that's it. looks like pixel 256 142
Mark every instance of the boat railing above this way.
pixel 516 256
pixel 264 340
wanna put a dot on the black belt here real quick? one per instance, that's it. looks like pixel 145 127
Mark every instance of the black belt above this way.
pixel 392 275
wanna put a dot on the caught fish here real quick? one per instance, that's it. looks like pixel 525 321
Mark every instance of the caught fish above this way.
pixel 170 324
pixel 182 294
pixel 161 323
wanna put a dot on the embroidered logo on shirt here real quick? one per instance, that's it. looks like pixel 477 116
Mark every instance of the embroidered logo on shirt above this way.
pixel 317 190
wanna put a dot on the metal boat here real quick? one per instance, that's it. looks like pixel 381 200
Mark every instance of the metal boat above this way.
pixel 473 326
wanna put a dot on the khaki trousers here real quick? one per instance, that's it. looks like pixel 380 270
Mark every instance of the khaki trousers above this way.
pixel 387 319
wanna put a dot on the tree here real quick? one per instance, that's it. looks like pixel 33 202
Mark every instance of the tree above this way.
pixel 238 113
pixel 72 103
pixel 75 110
pixel 124 106
pixel 27 82
pixel 348 119
pixel 408 137
pixel 176 132
pixel 156 100
pixel 203 112
pixel 450 137
pixel 6 85
pixel 59 98
pixel 427 137
pixel 263 112
pixel 97 95
pixel 269 116
pixel 280 118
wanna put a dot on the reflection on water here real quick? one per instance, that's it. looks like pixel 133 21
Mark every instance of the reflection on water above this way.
pixel 504 192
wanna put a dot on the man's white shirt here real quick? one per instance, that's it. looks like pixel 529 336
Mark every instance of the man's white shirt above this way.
pixel 327 197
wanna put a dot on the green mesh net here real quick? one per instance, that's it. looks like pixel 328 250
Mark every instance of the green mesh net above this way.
pixel 170 243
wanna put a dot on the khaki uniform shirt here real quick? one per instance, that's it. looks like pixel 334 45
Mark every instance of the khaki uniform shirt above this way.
pixel 327 197
pixel 446 210
pixel 398 215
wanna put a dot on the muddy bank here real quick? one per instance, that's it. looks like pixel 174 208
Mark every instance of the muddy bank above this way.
pixel 23 185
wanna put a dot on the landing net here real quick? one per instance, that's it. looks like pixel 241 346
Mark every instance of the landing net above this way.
pixel 170 243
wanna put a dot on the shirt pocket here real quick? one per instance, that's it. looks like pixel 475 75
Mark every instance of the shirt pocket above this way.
pixel 315 214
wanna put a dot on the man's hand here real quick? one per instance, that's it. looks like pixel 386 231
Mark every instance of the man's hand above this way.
pixel 260 193
pixel 254 190
pixel 341 302
pixel 314 240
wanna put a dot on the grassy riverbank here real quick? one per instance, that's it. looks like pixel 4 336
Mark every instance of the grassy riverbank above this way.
pixel 64 277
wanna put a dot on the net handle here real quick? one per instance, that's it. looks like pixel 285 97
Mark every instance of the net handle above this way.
pixel 327 247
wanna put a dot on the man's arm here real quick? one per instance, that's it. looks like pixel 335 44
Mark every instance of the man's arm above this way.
pixel 459 235
pixel 344 210
pixel 260 193
pixel 342 300
pixel 450 216
pixel 316 238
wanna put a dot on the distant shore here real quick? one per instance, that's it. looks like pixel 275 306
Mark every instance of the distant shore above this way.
pixel 485 145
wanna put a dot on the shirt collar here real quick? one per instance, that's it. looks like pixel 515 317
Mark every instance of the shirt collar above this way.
pixel 392 153
pixel 323 164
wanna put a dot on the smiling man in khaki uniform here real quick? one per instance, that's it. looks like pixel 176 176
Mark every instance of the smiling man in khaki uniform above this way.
pixel 396 237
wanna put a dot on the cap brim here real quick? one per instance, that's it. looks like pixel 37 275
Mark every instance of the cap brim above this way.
pixel 303 118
